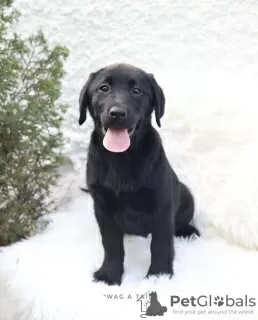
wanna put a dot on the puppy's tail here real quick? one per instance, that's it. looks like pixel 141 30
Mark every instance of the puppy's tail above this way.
pixel 187 232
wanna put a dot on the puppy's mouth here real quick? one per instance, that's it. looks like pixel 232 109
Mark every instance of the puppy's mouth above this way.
pixel 130 131
pixel 118 139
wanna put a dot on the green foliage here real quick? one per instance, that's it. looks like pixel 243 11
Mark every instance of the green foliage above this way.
pixel 30 121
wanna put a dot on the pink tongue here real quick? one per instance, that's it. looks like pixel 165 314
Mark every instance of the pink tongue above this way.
pixel 116 140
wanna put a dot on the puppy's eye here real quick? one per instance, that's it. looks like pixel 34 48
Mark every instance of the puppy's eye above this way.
pixel 136 91
pixel 103 88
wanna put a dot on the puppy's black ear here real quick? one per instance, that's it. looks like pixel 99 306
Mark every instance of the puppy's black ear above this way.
pixel 158 99
pixel 84 99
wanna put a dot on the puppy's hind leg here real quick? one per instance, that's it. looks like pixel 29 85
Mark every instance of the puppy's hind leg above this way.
pixel 187 232
pixel 185 214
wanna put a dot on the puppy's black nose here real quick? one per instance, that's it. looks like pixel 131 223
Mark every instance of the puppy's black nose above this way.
pixel 116 113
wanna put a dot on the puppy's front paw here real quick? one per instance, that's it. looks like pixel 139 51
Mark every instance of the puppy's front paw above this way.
pixel 160 272
pixel 150 274
pixel 110 277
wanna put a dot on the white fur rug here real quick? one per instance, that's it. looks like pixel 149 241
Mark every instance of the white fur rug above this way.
pixel 211 142
pixel 49 276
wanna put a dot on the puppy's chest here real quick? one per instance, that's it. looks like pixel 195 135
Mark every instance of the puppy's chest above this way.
pixel 133 212
pixel 113 173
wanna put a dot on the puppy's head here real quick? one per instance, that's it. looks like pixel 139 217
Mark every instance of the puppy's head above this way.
pixel 120 98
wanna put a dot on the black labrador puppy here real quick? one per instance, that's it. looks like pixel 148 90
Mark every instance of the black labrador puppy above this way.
pixel 134 189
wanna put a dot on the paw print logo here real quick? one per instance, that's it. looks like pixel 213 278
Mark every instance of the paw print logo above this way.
pixel 219 301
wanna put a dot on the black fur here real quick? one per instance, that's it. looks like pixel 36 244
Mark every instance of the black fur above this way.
pixel 134 192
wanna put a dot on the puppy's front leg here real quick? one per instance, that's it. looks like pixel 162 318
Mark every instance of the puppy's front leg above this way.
pixel 162 248
pixel 112 268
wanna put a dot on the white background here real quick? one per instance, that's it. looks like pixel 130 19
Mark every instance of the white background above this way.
pixel 194 47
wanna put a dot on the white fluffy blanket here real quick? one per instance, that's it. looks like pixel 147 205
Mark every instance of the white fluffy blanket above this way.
pixel 50 276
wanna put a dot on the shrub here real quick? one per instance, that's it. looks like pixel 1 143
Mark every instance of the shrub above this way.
pixel 30 122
